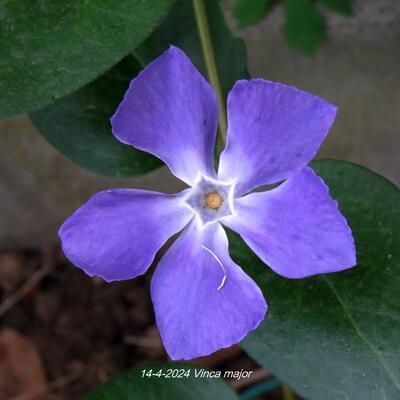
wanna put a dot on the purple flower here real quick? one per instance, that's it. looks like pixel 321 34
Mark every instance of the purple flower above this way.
pixel 203 301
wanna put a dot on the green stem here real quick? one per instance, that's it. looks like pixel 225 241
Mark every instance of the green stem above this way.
pixel 211 66
pixel 287 393
pixel 139 59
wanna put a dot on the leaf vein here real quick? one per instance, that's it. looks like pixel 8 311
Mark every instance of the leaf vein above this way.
pixel 360 334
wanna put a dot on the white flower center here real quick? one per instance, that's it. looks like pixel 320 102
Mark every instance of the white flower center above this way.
pixel 210 200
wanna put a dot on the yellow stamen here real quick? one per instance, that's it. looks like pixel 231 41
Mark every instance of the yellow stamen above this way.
pixel 213 200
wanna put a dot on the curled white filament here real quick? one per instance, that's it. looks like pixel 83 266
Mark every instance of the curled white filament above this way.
pixel 220 264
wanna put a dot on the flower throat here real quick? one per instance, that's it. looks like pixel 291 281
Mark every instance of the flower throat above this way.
pixel 213 200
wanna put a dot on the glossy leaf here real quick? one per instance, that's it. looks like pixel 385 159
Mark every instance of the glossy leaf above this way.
pixel 50 48
pixel 132 385
pixel 247 12
pixel 336 336
pixel 304 26
pixel 78 125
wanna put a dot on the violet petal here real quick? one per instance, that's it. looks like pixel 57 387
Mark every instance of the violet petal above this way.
pixel 117 233
pixel 296 228
pixel 273 130
pixel 197 311
pixel 171 111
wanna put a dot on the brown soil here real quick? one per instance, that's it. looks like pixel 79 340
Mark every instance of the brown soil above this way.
pixel 84 329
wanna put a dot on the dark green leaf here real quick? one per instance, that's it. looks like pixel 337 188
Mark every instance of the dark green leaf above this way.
pixel 247 12
pixel 341 6
pixel 180 30
pixel 132 386
pixel 337 336
pixel 304 26
pixel 50 48
pixel 78 125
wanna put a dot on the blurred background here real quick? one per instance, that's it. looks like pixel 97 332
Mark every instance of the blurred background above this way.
pixel 67 323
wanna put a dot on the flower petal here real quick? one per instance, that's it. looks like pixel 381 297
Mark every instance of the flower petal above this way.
pixel 194 317
pixel 117 233
pixel 274 129
pixel 297 228
pixel 171 111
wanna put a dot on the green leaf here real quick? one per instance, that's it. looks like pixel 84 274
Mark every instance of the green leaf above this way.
pixel 304 26
pixel 247 12
pixel 341 6
pixel 180 30
pixel 50 48
pixel 336 336
pixel 78 125
pixel 132 386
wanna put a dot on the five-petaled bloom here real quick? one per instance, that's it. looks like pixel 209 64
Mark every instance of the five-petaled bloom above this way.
pixel 203 301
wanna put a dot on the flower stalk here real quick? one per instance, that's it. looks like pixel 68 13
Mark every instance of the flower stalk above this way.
pixel 287 393
pixel 211 66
